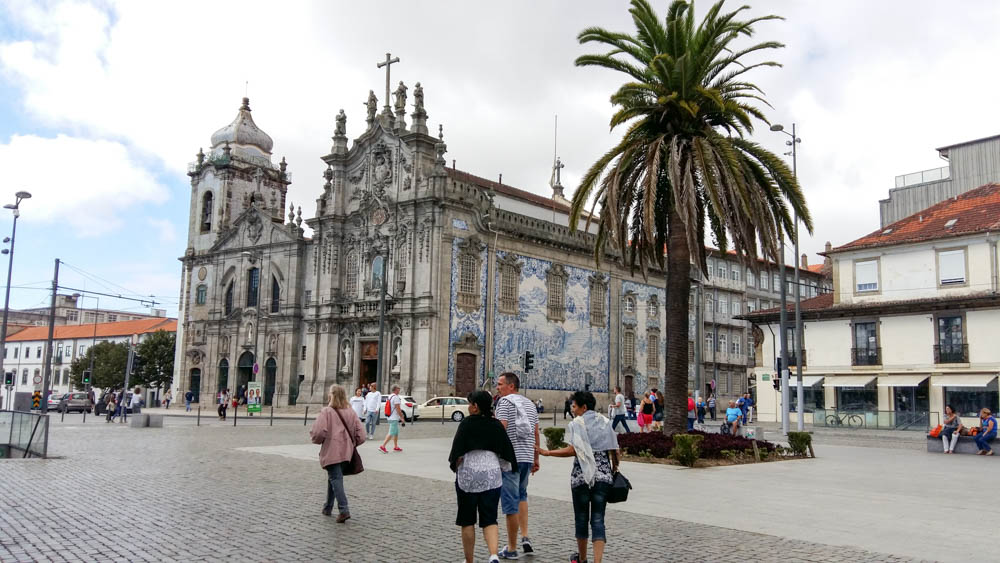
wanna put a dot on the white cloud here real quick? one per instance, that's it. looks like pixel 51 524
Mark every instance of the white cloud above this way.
pixel 164 228
pixel 82 183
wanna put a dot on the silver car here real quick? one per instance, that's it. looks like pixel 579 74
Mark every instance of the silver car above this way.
pixel 75 402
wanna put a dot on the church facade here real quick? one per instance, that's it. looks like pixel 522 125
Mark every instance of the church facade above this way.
pixel 475 273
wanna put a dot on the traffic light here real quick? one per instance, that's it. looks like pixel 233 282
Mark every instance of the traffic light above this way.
pixel 529 361
pixel 136 364
pixel 8 379
pixel 776 381
pixel 86 377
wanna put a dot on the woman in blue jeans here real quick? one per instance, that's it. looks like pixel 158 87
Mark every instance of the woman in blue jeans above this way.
pixel 594 446
pixel 987 432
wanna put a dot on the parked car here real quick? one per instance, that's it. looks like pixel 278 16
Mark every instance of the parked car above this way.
pixel 55 399
pixel 75 402
pixel 455 408
pixel 408 406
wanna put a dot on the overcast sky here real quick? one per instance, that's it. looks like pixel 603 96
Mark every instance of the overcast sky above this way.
pixel 103 104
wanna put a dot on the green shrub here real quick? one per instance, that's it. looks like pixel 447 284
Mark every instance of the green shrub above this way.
pixel 799 442
pixel 686 450
pixel 554 438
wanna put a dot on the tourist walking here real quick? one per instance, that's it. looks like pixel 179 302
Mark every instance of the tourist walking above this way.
pixel 480 452
pixel 167 397
pixel 110 404
pixel 223 403
pixel 136 403
pixel 690 411
pixel 987 432
pixel 395 421
pixel 711 405
pixel 701 410
pixel 519 417
pixel 620 411
pixel 748 402
pixel 373 402
pixel 188 397
pixel 593 444
pixel 339 432
pixel 658 409
pixel 645 415
pixel 951 430
pixel 358 404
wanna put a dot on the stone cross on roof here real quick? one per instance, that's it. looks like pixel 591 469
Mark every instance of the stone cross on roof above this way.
pixel 389 60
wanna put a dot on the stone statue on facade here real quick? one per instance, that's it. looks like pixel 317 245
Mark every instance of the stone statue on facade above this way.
pixel 347 357
pixel 400 95
pixel 341 127
pixel 372 107
pixel 396 351
pixel 418 98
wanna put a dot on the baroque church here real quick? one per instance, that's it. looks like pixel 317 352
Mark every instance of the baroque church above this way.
pixel 455 275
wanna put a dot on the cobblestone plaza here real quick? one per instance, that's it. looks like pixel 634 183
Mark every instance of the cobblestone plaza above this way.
pixel 190 493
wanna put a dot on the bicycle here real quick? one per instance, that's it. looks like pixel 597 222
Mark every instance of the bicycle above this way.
pixel 845 419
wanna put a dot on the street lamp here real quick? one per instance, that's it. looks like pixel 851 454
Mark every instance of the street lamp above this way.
pixel 800 392
pixel 15 207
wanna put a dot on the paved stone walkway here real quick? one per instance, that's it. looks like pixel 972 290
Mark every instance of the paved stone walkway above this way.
pixel 185 493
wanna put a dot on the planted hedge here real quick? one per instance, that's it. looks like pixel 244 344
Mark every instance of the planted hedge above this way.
pixel 712 446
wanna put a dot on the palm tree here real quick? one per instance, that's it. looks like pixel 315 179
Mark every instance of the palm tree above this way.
pixel 685 159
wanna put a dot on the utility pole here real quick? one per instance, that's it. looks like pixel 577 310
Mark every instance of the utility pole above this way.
pixel 783 335
pixel 381 316
pixel 47 370
pixel 800 391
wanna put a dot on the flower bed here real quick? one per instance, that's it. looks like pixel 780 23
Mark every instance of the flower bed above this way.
pixel 712 446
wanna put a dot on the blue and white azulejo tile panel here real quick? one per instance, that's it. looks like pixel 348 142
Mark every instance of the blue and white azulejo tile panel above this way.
pixel 461 322
pixel 643 323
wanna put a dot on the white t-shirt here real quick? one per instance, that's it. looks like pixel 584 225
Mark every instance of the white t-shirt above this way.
pixel 394 401
pixel 620 402
pixel 358 404
pixel 373 400
pixel 136 398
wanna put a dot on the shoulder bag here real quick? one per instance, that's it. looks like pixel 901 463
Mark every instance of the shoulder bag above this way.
pixel 354 466
pixel 619 488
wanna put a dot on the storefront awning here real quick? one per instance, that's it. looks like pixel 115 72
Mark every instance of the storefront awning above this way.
pixel 848 381
pixel 902 380
pixel 807 380
pixel 973 380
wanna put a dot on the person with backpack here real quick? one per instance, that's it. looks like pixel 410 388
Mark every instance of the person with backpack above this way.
pixel 519 417
pixel 691 414
pixel 188 397
pixel 395 415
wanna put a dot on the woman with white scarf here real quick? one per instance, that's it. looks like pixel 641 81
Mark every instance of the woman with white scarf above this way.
pixel 594 446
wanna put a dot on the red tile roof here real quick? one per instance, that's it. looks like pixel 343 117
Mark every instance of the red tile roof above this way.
pixel 975 211
pixel 821 301
pixel 815 268
pixel 102 330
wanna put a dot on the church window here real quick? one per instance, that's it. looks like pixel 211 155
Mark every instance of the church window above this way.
pixel 351 276
pixel 376 278
pixel 402 261
pixel 653 352
pixel 253 286
pixel 469 274
pixel 653 308
pixel 628 349
pixel 555 282
pixel 200 294
pixel 206 213
pixel 275 295
pixel 510 281
pixel 229 299
pixel 629 304
pixel 598 293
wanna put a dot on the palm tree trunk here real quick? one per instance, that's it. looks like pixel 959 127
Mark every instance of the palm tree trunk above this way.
pixel 675 386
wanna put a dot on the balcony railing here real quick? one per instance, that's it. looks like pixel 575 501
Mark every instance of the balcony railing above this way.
pixel 866 356
pixel 951 353
pixel 932 175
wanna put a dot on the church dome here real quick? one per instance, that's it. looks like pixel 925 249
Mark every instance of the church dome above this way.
pixel 243 131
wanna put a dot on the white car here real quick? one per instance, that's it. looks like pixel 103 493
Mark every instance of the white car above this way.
pixel 455 408
pixel 408 406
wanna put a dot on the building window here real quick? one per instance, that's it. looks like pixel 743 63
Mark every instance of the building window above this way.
pixel 555 282
pixel 709 343
pixel 598 295
pixel 776 282
pixel 308 295
pixel 510 280
pixel 469 274
pixel 866 352
pixel 72 316
pixel 751 305
pixel 653 352
pixel 866 276
pixel 736 307
pixel 736 273
pixel 303 352
pixel 736 345
pixel 629 304
pixel 275 295
pixel 967 401
pixel 951 267
pixel 27 352
pixel 722 344
pixel 89 316
pixel 813 396
pixel 351 275
pixel 763 280
pixel 16 350
pixel 200 294
pixel 206 212
pixel 722 305
pixel 402 262
pixel 229 299
pixel 253 286
pixel 112 318
pixel 653 308
pixel 5 353
pixel 951 341
pixel 751 347
pixel 376 275
pixel 721 271
pixel 24 377
pixel 628 349
pixel 709 304
pixel 858 399
pixel 751 279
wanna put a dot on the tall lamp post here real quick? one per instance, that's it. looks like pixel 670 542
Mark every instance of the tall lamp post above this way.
pixel 15 207
pixel 800 392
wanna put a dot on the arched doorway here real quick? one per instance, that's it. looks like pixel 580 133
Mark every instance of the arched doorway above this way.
pixel 244 370
pixel 223 375
pixel 465 374
pixel 195 385
pixel 270 374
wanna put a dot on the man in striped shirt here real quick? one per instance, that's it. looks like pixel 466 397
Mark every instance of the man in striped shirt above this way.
pixel 520 417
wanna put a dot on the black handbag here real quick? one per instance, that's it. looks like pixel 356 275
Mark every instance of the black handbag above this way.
pixel 619 488
pixel 354 466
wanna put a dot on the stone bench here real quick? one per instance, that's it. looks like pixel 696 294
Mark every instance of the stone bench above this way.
pixel 751 432
pixel 155 420
pixel 143 420
pixel 965 445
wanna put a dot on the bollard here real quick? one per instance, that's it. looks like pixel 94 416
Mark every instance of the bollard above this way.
pixel 554 423
pixel 442 413
pixel 272 415
pixel 199 415
pixel 85 417
pixel 236 412
pixel 62 415
pixel 306 417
